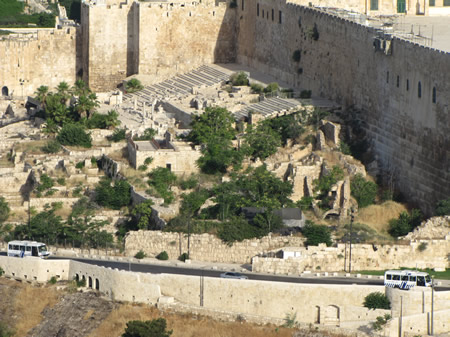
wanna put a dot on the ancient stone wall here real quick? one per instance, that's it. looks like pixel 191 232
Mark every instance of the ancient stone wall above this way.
pixel 37 57
pixel 204 247
pixel 401 91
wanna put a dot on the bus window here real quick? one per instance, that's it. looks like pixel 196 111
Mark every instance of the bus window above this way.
pixel 405 278
pixel 427 278
pixel 388 277
pixel 421 281
pixel 412 278
pixel 22 248
pixel 28 249
pixel 396 277
pixel 10 247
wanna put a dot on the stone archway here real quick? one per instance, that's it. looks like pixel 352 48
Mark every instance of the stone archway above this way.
pixel 5 91
pixel 97 284
pixel 332 315
pixel 90 282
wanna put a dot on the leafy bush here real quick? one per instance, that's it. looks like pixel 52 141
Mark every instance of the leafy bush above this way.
pixel 297 55
pixel 162 256
pixel 257 88
pixel 148 160
pixel 316 234
pixel 140 255
pixel 189 183
pixel 45 183
pixel 272 88
pixel 118 135
pixel 443 207
pixel 5 331
pixel 323 185
pixel 149 134
pixel 102 121
pixel 61 181
pixel 133 85
pixel 81 283
pixel 154 328
pixel 363 191
pixel 79 165
pixel 377 300
pixel 53 146
pixel 113 196
pixel 380 322
pixel 422 246
pixel 143 168
pixel 405 223
pixel 183 257
pixel 52 280
pixel 305 203
pixel 94 161
pixel 290 320
pixel 4 210
pixel 75 135
pixel 239 79
pixel 2 272
pixel 161 179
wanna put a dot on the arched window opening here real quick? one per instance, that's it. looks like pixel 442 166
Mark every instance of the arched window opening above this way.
pixel 419 90
pixel 5 91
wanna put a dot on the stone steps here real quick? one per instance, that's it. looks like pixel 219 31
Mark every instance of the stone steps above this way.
pixel 269 107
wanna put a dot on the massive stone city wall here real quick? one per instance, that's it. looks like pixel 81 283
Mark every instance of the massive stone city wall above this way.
pixel 401 92
pixel 151 38
pixel 37 57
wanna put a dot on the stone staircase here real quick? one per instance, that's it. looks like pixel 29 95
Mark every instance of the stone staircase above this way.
pixel 180 85
pixel 269 107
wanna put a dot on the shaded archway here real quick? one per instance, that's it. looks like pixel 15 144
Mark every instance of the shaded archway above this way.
pixel 5 91
pixel 97 284
pixel 90 282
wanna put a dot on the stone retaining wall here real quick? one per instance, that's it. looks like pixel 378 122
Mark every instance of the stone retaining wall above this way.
pixel 204 247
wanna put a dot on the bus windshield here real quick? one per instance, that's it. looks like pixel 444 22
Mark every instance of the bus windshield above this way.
pixel 427 278
pixel 43 249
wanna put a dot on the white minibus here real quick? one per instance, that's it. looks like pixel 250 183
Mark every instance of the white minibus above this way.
pixel 27 248
pixel 406 279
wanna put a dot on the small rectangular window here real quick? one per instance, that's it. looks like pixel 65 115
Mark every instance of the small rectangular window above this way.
pixel 446 2
pixel 243 4
pixel 387 77
pixel 432 3
pixel 388 277
pixel 396 277
pixel 412 278
pixel 273 14
pixel 280 17
pixel 398 81
pixel 257 9
pixel 405 278
pixel 407 85
pixel 373 5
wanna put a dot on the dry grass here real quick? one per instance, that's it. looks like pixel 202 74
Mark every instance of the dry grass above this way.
pixel 184 325
pixel 28 303
pixel 378 216
pixel 32 147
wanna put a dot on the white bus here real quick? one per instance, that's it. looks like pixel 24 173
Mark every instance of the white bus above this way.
pixel 27 248
pixel 406 279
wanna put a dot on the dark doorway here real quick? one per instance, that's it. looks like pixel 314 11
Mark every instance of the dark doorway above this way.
pixel 5 91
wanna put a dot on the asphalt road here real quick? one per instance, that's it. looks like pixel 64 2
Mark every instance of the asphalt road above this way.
pixel 158 269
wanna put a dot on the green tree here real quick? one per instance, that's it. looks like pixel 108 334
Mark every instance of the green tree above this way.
pixel 261 142
pixel 74 135
pixel 113 196
pixel 4 210
pixel 56 110
pixel 41 95
pixel 154 328
pixel 316 234
pixel 363 191
pixel 149 134
pixel 239 79
pixel 272 88
pixel 86 104
pixel 377 300
pixel 80 88
pixel 133 85
pixel 141 214
pixel 443 207
pixel 63 90
pixel 288 127
pixel 161 179
pixel 323 185
pixel 405 223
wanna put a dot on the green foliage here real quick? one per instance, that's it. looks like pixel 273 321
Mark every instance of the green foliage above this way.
pixel 305 203
pixel 443 207
pixel 77 191
pixel 363 191
pixel 133 85
pixel 11 15
pixel 141 215
pixel 315 117
pixel 140 255
pixel 257 88
pixel 297 55
pixel 149 134
pixel 380 322
pixel 271 88
pixel 45 183
pixel 193 201
pixel 75 135
pixel 143 168
pixel 405 223
pixel 118 135
pixel 73 9
pixel 2 272
pixel 288 127
pixel 52 280
pixel 101 121
pixel 148 160
pixel 323 185
pixel 94 161
pixel 305 94
pixel 5 331
pixel 239 79
pixel 261 142
pixel 422 246
pixel 189 183
pixel 377 300
pixel 52 146
pixel 360 233
pixel 161 179
pixel 183 257
pixel 214 129
pixel 81 283
pixel 154 328
pixel 313 33
pixel 113 196
pixel 4 210
pixel 316 234
pixel 162 256
pixel 79 165
pixel 344 148
pixel 290 320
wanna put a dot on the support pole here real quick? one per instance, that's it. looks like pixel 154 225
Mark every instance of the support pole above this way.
pixel 432 307
pixel 400 318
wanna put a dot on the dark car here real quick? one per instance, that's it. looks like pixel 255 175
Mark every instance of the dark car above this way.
pixel 233 275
